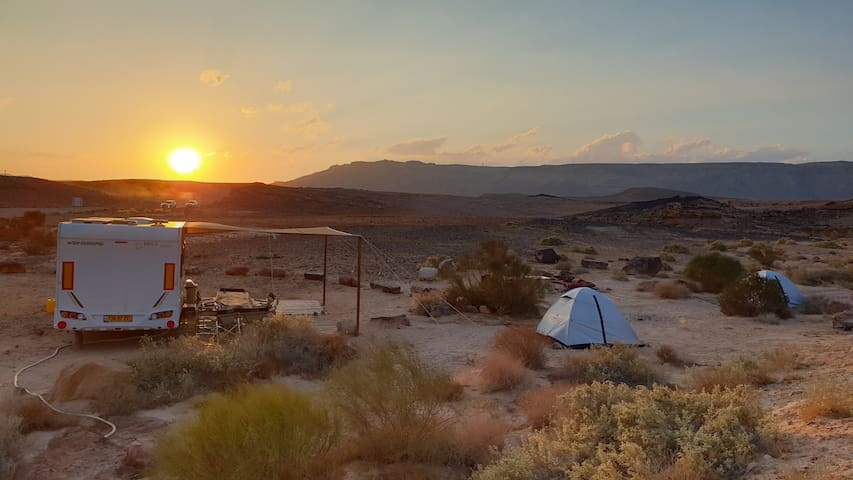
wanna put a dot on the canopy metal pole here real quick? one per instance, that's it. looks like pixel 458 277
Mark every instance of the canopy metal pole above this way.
pixel 325 261
pixel 358 291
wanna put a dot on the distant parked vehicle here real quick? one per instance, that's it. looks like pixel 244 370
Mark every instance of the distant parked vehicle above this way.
pixel 191 204
pixel 169 204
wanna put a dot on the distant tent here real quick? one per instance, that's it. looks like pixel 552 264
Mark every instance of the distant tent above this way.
pixel 792 293
pixel 583 316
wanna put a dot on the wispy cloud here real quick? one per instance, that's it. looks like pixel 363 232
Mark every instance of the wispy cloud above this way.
pixel 513 150
pixel 212 77
pixel 417 147
pixel 284 86
pixel 6 101
pixel 302 107
pixel 249 112
pixel 309 128
pixel 275 107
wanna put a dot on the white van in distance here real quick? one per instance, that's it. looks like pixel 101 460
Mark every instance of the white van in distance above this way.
pixel 119 274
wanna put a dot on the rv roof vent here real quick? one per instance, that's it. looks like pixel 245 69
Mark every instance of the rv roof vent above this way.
pixel 140 220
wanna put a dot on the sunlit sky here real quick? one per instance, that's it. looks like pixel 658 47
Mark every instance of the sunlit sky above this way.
pixel 274 90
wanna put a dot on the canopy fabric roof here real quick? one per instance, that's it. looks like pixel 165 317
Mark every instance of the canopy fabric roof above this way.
pixel 207 227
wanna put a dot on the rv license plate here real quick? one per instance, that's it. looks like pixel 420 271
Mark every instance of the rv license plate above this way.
pixel 118 318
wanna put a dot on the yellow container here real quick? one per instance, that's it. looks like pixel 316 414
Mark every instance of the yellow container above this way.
pixel 50 305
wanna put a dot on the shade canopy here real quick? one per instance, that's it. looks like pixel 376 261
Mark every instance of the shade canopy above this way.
pixel 208 227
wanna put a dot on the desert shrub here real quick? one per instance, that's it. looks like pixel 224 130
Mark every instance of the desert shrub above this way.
pixel 814 277
pixel 818 304
pixel 564 265
pixel 618 364
pixel 33 415
pixel 752 295
pixel 829 245
pixel 646 286
pixel 671 290
pixel 713 271
pixel 500 371
pixel 237 271
pixel 265 432
pixel 477 439
pixel 744 242
pixel 717 246
pixel 10 444
pixel 538 403
pixel 423 302
pixel 39 241
pixel 665 267
pixel 619 276
pixel 676 249
pixel 587 250
pixel 665 257
pixel 524 344
pixel 667 354
pixel 818 471
pixel 745 371
pixel 604 431
pixel 17 228
pixel 551 241
pixel 766 254
pixel 393 403
pixel 496 278
pixel 786 241
pixel 828 399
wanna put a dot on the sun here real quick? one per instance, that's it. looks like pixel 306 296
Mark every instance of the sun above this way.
pixel 184 160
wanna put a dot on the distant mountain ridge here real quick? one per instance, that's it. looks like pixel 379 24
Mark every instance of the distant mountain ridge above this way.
pixel 759 181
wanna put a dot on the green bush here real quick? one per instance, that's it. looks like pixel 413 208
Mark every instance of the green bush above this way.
pixel 713 271
pixel 495 278
pixel 607 431
pixel 618 364
pixel 676 248
pixel 752 295
pixel 551 241
pixel 394 405
pixel 254 433
pixel 766 254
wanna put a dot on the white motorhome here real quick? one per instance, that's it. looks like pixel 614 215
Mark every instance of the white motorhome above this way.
pixel 119 274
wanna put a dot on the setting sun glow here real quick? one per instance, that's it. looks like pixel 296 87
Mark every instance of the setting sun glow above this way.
pixel 184 160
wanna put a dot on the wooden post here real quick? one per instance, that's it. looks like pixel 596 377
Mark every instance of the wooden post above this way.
pixel 325 258
pixel 358 291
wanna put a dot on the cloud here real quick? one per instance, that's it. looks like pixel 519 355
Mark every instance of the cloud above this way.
pixel 249 112
pixel 308 128
pixel 275 107
pixel 6 101
pixel 284 86
pixel 302 107
pixel 614 147
pixel 417 147
pixel 212 77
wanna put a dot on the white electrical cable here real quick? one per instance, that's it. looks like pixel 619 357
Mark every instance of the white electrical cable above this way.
pixel 55 409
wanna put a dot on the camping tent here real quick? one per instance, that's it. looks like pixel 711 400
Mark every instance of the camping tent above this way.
pixel 583 316
pixel 791 292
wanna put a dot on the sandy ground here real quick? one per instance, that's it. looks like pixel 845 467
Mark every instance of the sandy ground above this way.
pixel 693 326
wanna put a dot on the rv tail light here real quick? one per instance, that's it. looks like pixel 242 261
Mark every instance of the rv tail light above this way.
pixel 72 315
pixel 68 275
pixel 169 277
pixel 170 324
pixel 159 315
pixel 61 325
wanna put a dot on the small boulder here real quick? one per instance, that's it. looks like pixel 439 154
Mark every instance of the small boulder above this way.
pixel 547 256
pixel 643 266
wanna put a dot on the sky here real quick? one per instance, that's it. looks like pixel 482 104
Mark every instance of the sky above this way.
pixel 273 90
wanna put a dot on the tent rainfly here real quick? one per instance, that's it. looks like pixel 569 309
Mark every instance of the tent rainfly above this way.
pixel 207 227
pixel 583 317
pixel 792 294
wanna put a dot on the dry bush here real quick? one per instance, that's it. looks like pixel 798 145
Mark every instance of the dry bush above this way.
pixel 646 286
pixel 551 241
pixel 265 432
pixel 752 295
pixel 818 471
pixel 39 241
pixel 745 371
pixel 501 371
pixel 10 444
pixel 815 277
pixel 538 404
pixel 618 364
pixel 744 242
pixel 524 344
pixel 604 431
pixel 829 245
pixel 818 304
pixel 786 241
pixel 477 439
pixel 424 302
pixel 828 399
pixel 676 249
pixel 587 250
pixel 619 276
pixel 766 254
pixel 393 404
pixel 671 290
pixel 496 278
pixel 665 257
pixel 33 415
pixel 237 271
pixel 714 271
pixel 717 246
pixel 667 354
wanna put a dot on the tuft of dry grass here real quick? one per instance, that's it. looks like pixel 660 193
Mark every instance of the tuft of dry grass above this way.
pixel 646 286
pixel 538 404
pixel 587 250
pixel 617 364
pixel 33 415
pixel 10 444
pixel 478 439
pixel 717 246
pixel 746 371
pixel 501 371
pixel 828 399
pixel 667 354
pixel 619 276
pixel 677 249
pixel 817 471
pixel 829 245
pixel 424 302
pixel 785 241
pixel 671 290
pixel 744 242
pixel 237 271
pixel 524 344
pixel 766 254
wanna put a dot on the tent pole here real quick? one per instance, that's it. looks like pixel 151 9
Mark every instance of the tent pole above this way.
pixel 601 319
pixel 325 258
pixel 358 291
